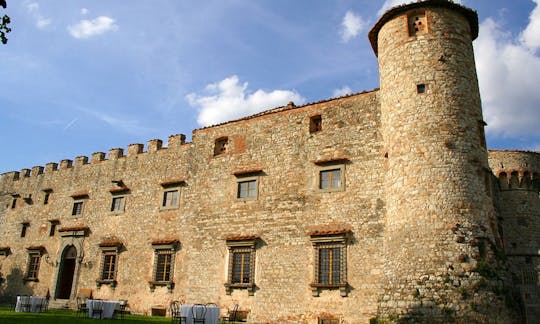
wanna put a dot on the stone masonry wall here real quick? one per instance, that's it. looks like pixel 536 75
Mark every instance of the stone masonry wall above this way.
pixel 288 208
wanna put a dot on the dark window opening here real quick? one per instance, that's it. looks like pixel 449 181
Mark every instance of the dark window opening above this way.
pixel 220 146
pixel 421 88
pixel 77 208
pixel 13 203
pixel 33 266
pixel 241 269
pixel 53 228
pixel 315 124
pixel 46 198
pixel 330 265
pixel 23 229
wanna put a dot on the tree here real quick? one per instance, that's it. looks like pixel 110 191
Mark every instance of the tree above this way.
pixel 4 29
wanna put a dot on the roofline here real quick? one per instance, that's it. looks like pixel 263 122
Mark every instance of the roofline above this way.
pixel 290 106
pixel 471 15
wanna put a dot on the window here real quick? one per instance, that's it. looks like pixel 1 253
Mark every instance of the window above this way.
pixel 54 224
pixel 247 189
pixel 241 264
pixel 46 198
pixel 163 273
pixel 315 124
pixel 118 204
pixel 14 203
pixel 109 263
pixel 420 88
pixel 220 145
pixel 77 208
pixel 330 262
pixel 332 178
pixel 170 198
pixel 24 228
pixel 417 23
pixel 34 260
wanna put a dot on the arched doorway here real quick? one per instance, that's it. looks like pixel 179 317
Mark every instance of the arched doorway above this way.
pixel 66 272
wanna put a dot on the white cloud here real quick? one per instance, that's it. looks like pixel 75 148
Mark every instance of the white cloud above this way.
pixel 351 25
pixel 392 3
pixel 341 92
pixel 84 11
pixel 509 75
pixel 88 28
pixel 229 100
pixel 530 37
pixel 39 20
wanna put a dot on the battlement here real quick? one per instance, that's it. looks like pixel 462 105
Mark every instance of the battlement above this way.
pixel 516 169
pixel 153 145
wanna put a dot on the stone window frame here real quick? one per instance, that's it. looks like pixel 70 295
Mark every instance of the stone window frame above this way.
pixel 164 248
pixel 241 245
pixel 108 276
pixel 330 166
pixel 169 187
pixel 34 262
pixel 327 241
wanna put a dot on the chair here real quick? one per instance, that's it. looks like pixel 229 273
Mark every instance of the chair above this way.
pixel 231 315
pixel 176 316
pixel 81 307
pixel 25 303
pixel 43 305
pixel 121 311
pixel 97 309
pixel 198 313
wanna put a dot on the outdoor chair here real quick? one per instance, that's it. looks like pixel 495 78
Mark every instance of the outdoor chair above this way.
pixel 121 311
pixel 25 304
pixel 231 314
pixel 97 309
pixel 43 306
pixel 176 316
pixel 81 307
pixel 198 313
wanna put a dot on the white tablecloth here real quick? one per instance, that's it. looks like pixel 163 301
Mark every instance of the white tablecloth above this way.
pixel 35 302
pixel 108 307
pixel 212 314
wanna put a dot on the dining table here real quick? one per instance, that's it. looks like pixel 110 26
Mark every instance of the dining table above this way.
pixel 108 307
pixel 211 316
pixel 34 301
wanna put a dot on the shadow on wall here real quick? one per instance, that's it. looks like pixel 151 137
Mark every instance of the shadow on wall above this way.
pixel 12 285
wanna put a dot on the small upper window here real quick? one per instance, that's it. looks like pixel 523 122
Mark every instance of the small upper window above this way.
pixel 315 124
pixel 417 23
pixel 54 224
pixel 77 208
pixel 331 175
pixel 170 198
pixel 14 203
pixel 421 88
pixel 118 204
pixel 221 145
pixel 24 229
pixel 46 196
pixel 247 187
pixel 330 179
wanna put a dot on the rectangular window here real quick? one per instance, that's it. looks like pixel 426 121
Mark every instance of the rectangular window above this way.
pixel 421 88
pixel 330 264
pixel 34 259
pixel 24 228
pixel 241 264
pixel 247 189
pixel 170 198
pixel 417 23
pixel 46 198
pixel 330 179
pixel 14 203
pixel 315 124
pixel 53 228
pixel 108 271
pixel 118 204
pixel 163 274
pixel 163 266
pixel 77 208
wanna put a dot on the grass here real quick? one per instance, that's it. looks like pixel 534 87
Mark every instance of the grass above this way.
pixel 54 316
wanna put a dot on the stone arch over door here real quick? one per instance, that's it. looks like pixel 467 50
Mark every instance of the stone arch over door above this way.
pixel 72 242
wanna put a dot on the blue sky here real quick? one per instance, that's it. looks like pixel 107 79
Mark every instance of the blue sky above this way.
pixel 78 77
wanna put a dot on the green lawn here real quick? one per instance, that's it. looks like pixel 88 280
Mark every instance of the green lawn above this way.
pixel 53 316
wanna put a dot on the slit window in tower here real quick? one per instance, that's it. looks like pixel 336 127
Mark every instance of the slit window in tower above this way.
pixel 417 23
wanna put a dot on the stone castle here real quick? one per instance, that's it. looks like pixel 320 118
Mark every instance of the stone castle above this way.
pixel 378 206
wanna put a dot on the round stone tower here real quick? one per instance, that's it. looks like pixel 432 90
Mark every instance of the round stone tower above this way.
pixel 438 204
